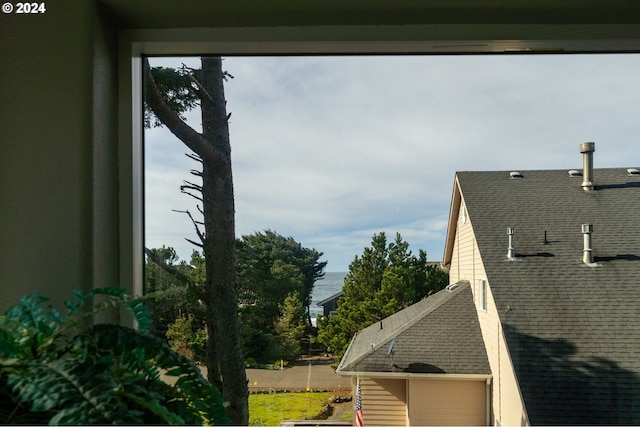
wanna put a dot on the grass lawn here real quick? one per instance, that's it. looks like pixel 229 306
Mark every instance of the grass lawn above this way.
pixel 272 409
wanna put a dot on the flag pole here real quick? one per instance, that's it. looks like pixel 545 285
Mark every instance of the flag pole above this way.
pixel 358 414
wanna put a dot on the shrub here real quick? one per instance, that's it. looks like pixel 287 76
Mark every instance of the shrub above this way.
pixel 56 370
pixel 185 338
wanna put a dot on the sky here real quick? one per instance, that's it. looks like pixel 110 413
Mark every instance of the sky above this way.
pixel 330 150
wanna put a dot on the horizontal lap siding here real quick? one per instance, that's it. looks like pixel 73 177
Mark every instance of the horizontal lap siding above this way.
pixel 384 401
pixel 447 402
pixel 466 250
pixel 463 255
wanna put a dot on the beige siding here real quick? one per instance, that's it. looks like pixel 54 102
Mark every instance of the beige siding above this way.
pixel 383 401
pixel 447 402
pixel 463 259
pixel 466 264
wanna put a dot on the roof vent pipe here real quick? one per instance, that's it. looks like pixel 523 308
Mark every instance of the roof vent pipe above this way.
pixel 587 252
pixel 587 149
pixel 511 252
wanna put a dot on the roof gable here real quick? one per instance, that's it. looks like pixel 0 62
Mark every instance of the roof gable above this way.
pixel 331 298
pixel 438 335
pixel 573 331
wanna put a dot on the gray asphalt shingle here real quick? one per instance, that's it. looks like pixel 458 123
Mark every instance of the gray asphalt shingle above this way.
pixel 573 331
pixel 439 334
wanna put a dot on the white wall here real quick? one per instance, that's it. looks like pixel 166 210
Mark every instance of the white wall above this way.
pixel 58 211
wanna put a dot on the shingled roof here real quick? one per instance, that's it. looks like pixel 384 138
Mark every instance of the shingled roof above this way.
pixel 438 335
pixel 573 331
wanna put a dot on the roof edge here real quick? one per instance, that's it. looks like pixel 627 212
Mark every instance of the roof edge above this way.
pixel 456 199
pixel 415 374
pixel 339 368
pixel 424 312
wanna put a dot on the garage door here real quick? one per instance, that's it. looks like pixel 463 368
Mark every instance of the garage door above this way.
pixel 447 402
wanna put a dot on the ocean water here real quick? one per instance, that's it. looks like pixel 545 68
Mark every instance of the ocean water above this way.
pixel 331 284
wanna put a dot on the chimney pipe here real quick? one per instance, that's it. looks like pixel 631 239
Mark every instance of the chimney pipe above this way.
pixel 587 252
pixel 511 252
pixel 587 149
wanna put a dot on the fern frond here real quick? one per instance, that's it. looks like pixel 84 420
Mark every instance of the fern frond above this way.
pixel 191 386
pixel 32 312
pixel 8 345
pixel 152 402
pixel 136 306
pixel 80 393
pixel 32 324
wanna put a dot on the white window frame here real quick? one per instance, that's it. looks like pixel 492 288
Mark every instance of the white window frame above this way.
pixel 482 294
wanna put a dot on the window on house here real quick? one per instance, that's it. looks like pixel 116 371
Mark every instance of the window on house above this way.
pixel 482 294
pixel 464 213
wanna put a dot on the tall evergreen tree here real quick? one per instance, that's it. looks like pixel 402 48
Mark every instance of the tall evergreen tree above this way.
pixel 385 279
pixel 178 91
pixel 272 267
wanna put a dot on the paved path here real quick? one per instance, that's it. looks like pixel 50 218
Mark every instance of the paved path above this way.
pixel 314 375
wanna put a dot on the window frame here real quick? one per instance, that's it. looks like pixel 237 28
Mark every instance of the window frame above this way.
pixel 482 294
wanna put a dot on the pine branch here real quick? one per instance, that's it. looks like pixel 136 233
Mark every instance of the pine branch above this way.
pixel 196 226
pixel 200 245
pixel 200 87
pixel 179 275
pixel 191 186
pixel 192 139
pixel 192 195
pixel 194 157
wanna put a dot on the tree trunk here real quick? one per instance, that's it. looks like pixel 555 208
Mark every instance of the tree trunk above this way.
pixel 225 361
pixel 219 247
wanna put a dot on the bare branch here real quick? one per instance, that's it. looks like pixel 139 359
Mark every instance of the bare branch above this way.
pixel 198 198
pixel 193 79
pixel 194 157
pixel 173 271
pixel 200 245
pixel 191 186
pixel 196 224
pixel 196 172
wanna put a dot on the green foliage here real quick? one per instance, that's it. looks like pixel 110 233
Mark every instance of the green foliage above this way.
pixel 167 297
pixel 54 369
pixel 290 327
pixel 383 281
pixel 178 91
pixel 271 267
pixel 188 338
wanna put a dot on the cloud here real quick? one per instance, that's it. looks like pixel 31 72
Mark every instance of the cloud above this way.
pixel 330 150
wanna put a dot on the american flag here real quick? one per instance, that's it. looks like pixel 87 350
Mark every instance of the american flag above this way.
pixel 358 404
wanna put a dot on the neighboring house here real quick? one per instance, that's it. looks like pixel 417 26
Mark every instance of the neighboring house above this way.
pixel 425 365
pixel 553 262
pixel 330 305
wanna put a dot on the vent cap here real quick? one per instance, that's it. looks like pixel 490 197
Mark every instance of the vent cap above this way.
pixel 575 172
pixel 633 172
pixel 515 175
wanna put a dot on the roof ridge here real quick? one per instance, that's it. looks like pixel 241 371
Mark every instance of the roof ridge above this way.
pixel 546 170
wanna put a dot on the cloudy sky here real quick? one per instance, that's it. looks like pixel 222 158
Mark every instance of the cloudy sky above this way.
pixel 330 150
